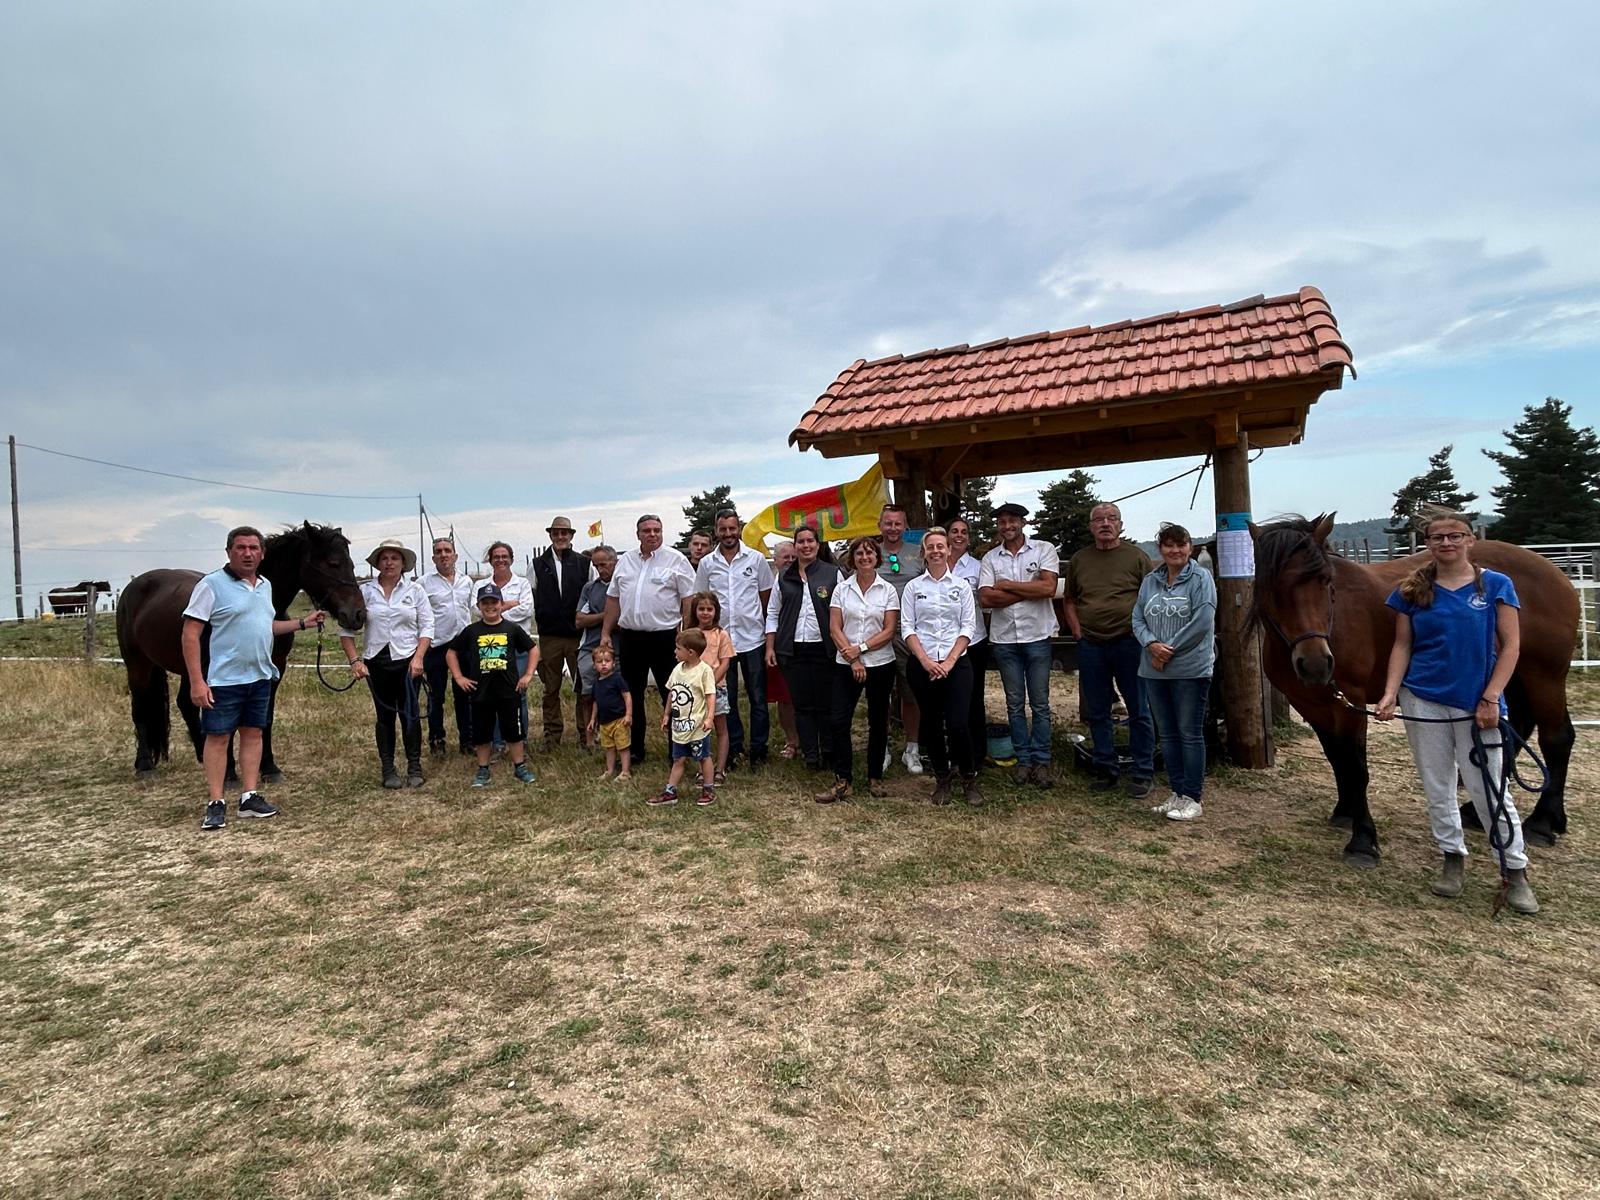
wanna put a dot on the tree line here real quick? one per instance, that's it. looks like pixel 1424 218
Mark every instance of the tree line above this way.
pixel 1551 492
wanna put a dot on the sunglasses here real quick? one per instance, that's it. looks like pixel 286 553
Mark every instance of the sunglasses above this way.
pixel 894 563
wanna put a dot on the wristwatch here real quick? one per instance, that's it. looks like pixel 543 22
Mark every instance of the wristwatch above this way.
pixel 862 647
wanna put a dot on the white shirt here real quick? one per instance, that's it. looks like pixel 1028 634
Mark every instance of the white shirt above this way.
pixel 396 621
pixel 516 600
pixel 937 612
pixel 1026 620
pixel 650 591
pixel 806 628
pixel 862 615
pixel 738 586
pixel 452 601
pixel 968 568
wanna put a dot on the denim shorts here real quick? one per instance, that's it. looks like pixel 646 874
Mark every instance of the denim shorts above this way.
pixel 699 749
pixel 237 706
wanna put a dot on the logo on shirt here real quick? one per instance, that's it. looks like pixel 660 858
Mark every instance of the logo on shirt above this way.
pixel 681 701
pixel 493 651
pixel 822 593
pixel 749 572
pixel 1478 600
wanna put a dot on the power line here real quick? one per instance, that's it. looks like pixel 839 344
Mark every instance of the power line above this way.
pixel 101 462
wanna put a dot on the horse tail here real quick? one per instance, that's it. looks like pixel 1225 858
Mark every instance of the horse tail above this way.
pixel 152 712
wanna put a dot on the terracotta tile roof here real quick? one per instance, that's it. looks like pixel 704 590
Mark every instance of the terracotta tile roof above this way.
pixel 1253 343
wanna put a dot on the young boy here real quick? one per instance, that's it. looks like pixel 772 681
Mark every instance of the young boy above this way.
pixel 612 712
pixel 481 660
pixel 691 691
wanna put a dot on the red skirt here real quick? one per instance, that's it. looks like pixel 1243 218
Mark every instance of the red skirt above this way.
pixel 777 687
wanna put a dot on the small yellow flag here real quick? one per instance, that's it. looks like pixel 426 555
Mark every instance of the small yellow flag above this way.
pixel 594 530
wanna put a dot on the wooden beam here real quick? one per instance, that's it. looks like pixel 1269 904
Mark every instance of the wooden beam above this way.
pixel 1225 428
pixel 1238 646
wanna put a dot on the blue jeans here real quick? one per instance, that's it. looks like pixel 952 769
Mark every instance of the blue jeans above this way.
pixel 1179 708
pixel 752 664
pixel 1025 672
pixel 1098 665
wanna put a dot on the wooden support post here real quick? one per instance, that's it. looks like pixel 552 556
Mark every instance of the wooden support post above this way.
pixel 946 505
pixel 1239 650
pixel 911 494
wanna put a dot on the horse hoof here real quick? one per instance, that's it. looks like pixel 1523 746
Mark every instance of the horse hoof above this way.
pixel 272 777
pixel 144 772
pixel 1361 860
pixel 1342 821
pixel 1538 835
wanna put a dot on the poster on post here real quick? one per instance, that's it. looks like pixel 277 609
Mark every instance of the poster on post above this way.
pixel 1236 551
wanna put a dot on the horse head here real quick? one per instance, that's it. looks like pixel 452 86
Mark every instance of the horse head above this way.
pixel 316 558
pixel 1294 592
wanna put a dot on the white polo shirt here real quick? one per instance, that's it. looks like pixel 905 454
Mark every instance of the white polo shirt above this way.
pixel 398 620
pixel 862 615
pixel 1026 620
pixel 968 568
pixel 452 601
pixel 516 602
pixel 937 612
pixel 737 585
pixel 650 591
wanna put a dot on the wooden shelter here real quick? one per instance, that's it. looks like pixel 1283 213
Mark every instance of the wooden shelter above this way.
pixel 1217 380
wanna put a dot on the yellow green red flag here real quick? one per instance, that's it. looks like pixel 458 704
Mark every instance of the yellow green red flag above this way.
pixel 844 510
pixel 594 530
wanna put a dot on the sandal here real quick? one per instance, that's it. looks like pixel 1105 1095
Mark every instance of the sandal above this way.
pixel 719 778
pixel 788 752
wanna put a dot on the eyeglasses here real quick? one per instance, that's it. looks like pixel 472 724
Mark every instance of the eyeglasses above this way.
pixel 1455 539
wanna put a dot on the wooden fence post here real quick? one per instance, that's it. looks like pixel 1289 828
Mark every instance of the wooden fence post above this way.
pixel 88 623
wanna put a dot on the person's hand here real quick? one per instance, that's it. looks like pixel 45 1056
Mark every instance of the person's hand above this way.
pixel 934 670
pixel 772 658
pixel 1488 713
pixel 850 653
pixel 416 668
pixel 523 682
pixel 467 685
pixel 359 669
pixel 1388 704
pixel 949 664
pixel 663 721
pixel 200 693
pixel 315 619
pixel 1156 661
pixel 605 640
pixel 858 670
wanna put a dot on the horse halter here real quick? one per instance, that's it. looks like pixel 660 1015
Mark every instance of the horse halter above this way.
pixel 1311 634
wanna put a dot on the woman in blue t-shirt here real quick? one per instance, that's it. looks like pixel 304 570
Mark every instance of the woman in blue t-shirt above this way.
pixel 1456 639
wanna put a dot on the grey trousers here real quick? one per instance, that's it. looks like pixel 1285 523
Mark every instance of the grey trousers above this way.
pixel 1443 751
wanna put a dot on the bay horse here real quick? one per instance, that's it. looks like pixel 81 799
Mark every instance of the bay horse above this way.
pixel 1328 632
pixel 315 558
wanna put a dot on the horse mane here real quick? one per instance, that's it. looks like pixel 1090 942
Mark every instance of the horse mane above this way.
pixel 1278 542
pixel 291 534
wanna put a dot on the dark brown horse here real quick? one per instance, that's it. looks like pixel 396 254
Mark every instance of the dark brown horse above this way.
pixel 315 558
pixel 75 601
pixel 1326 627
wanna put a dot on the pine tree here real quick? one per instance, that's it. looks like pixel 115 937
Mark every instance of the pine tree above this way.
pixel 701 512
pixel 1552 487
pixel 1062 517
pixel 977 506
pixel 1436 486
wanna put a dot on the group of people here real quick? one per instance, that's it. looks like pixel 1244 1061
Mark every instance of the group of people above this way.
pixel 810 635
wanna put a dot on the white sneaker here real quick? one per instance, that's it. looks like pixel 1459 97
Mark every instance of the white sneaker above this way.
pixel 1185 810
pixel 912 760
pixel 1171 802
pixel 888 760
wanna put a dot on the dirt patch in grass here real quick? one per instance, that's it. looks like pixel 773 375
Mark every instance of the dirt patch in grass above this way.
pixel 555 991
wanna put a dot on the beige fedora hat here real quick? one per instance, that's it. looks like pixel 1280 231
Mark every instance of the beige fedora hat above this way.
pixel 560 523
pixel 408 557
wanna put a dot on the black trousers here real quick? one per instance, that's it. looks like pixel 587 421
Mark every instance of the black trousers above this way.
pixel 978 730
pixel 808 670
pixel 437 673
pixel 842 713
pixel 497 716
pixel 640 654
pixel 946 706
pixel 394 696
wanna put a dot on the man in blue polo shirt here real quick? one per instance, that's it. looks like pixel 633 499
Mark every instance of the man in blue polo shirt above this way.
pixel 234 691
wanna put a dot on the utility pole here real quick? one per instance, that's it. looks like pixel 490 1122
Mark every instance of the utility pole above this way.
pixel 16 526
pixel 421 540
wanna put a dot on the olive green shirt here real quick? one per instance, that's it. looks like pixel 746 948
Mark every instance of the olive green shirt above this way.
pixel 1103 584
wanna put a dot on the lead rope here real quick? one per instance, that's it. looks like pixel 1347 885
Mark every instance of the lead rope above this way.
pixel 1494 789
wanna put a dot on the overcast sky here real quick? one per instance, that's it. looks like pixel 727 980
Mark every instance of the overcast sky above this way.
pixel 532 259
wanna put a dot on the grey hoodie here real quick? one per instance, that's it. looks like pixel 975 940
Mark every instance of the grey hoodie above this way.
pixel 1183 615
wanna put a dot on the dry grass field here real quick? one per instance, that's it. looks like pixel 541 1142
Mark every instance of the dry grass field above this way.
pixel 555 991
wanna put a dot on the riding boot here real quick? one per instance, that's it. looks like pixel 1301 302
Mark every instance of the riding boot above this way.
pixel 1449 880
pixel 411 735
pixel 970 791
pixel 1519 896
pixel 385 732
pixel 941 790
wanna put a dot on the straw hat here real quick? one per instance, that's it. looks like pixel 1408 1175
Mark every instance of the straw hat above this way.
pixel 408 558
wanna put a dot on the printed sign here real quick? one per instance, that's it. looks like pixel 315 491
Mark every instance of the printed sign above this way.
pixel 1236 551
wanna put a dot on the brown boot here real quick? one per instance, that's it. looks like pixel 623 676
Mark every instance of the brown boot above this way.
pixel 941 791
pixel 1448 882
pixel 970 791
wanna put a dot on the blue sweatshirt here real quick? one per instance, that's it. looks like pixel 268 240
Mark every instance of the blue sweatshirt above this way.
pixel 1184 616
